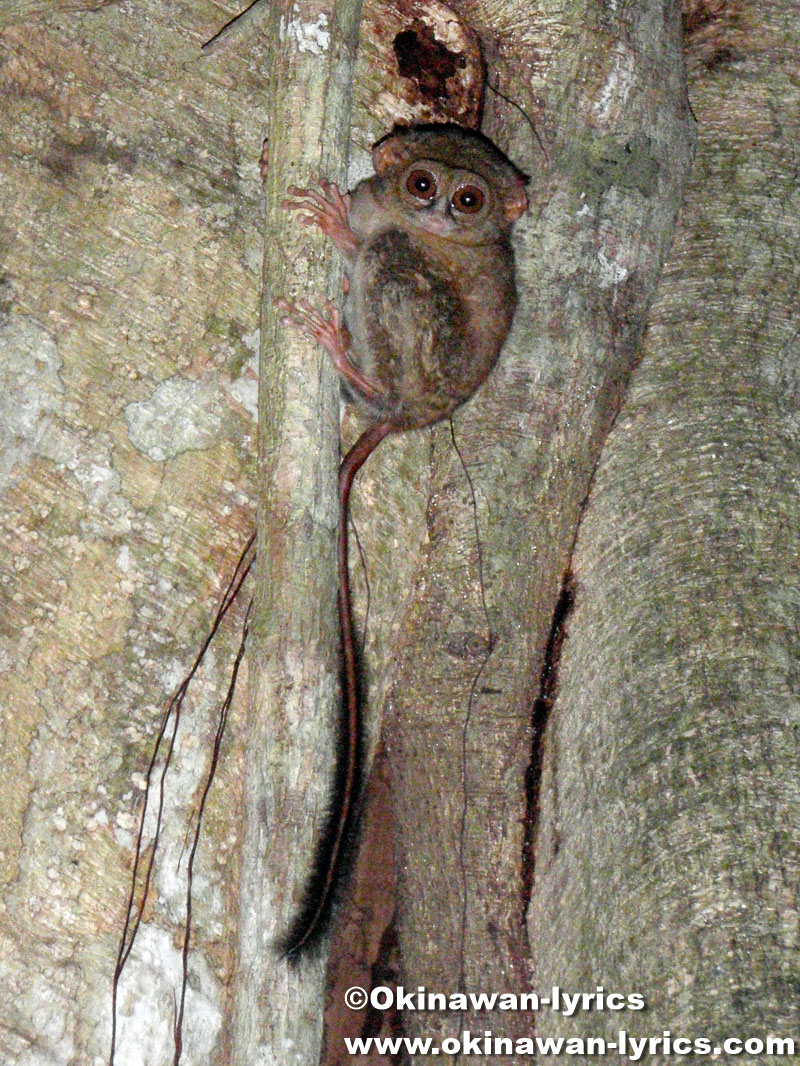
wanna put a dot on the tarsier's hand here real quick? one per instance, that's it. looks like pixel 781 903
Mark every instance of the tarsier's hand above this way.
pixel 327 210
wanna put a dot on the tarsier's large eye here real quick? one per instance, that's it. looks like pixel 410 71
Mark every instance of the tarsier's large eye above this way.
pixel 421 184
pixel 468 199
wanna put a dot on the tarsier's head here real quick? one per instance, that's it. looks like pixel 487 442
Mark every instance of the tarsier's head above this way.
pixel 451 182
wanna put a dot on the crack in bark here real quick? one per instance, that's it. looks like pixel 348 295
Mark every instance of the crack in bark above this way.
pixel 542 707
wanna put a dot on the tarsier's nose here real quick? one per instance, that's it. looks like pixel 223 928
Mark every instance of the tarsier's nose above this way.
pixel 438 215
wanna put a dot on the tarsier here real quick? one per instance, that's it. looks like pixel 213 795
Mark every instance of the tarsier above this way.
pixel 430 295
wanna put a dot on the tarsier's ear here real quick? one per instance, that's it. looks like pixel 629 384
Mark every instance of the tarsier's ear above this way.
pixel 516 202
pixel 390 151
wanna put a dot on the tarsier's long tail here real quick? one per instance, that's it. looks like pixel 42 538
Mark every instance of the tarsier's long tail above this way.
pixel 313 914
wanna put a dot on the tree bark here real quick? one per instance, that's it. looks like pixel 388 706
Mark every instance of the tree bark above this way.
pixel 667 849
pixel 128 340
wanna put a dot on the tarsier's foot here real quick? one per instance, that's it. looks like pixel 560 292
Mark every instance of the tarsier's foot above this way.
pixel 330 333
pixel 328 210
pixel 263 162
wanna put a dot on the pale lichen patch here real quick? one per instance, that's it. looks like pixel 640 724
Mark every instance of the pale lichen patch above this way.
pixel 31 392
pixel 611 272
pixel 617 86
pixel 311 37
pixel 146 1004
pixel 180 415
pixel 244 387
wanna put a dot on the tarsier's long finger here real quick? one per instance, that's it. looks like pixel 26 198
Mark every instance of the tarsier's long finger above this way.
pixel 314 211
pixel 329 209
pixel 301 195
pixel 300 317
pixel 291 312
pixel 303 316
pixel 314 215
pixel 329 197
pixel 283 304
pixel 308 214
pixel 335 197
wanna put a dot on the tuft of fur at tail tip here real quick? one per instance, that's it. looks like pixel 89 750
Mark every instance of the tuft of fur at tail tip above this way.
pixel 334 857
pixel 322 893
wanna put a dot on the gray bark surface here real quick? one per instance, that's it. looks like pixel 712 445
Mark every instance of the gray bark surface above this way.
pixel 294 636
pixel 667 854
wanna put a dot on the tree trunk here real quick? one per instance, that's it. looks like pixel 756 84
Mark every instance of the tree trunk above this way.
pixel 128 344
pixel 667 849
pixel 470 653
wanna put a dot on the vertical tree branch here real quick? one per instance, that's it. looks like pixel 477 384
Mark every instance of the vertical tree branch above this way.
pixel 294 636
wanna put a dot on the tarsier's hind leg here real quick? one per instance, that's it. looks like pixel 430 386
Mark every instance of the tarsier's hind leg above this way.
pixel 332 335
